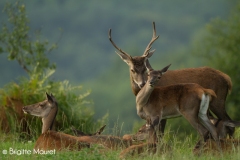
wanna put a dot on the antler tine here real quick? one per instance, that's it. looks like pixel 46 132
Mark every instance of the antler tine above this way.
pixel 119 49
pixel 154 38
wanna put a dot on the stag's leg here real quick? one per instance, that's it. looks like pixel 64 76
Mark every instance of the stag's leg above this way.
pixel 162 126
pixel 217 106
pixel 210 127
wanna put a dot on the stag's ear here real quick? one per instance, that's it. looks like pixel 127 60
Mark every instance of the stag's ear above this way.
pixel 148 66
pixel 49 98
pixel 165 69
pixel 125 57
pixel 149 54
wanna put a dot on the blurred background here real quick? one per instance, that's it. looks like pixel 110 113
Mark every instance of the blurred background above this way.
pixel 85 56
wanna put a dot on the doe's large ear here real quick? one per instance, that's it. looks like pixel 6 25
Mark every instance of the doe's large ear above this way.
pixel 165 69
pixel 49 98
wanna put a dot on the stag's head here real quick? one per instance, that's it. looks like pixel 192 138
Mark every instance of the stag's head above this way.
pixel 154 75
pixel 136 64
pixel 41 109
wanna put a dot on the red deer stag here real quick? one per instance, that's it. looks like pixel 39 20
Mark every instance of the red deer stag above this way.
pixel 49 139
pixel 207 77
pixel 189 100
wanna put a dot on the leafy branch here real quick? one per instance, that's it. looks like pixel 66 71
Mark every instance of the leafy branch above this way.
pixel 15 40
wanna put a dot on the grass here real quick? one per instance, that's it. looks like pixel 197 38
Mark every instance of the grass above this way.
pixel 179 149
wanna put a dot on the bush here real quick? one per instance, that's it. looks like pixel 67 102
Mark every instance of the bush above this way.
pixel 31 55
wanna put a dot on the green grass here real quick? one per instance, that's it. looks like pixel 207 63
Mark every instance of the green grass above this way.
pixel 180 149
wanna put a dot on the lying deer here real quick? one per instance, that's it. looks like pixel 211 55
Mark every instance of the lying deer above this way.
pixel 49 139
pixel 189 100
pixel 207 77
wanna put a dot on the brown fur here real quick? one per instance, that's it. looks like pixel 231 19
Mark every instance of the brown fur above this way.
pixel 186 99
pixel 207 77
pixel 49 139
pixel 60 141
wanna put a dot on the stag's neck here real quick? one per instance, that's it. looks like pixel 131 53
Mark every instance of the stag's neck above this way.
pixel 49 120
pixel 135 88
pixel 143 96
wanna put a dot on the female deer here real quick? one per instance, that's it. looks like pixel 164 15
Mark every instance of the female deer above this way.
pixel 187 99
pixel 49 139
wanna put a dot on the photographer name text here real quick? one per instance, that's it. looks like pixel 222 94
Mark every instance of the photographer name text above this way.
pixel 12 151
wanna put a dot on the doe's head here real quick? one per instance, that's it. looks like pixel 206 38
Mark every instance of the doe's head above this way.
pixel 41 109
pixel 154 75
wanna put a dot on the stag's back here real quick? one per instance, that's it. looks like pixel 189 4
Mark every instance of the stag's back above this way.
pixel 204 76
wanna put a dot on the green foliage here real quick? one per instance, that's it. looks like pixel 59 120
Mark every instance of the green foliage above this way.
pixel 220 46
pixel 18 44
pixel 74 109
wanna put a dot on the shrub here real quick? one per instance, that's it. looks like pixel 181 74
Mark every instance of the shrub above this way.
pixel 15 41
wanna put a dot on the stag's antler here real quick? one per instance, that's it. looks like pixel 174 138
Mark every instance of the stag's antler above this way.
pixel 119 49
pixel 154 38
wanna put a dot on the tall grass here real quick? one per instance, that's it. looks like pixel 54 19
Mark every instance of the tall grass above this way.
pixel 178 149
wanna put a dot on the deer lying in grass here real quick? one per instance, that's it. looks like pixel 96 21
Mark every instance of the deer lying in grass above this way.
pixel 49 139
pixel 141 135
pixel 207 77
pixel 189 100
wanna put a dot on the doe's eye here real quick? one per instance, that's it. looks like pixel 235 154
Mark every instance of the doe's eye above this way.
pixel 132 71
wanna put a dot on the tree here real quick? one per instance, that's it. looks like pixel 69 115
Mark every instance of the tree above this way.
pixel 16 41
pixel 220 47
